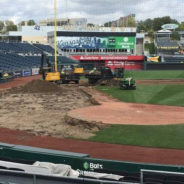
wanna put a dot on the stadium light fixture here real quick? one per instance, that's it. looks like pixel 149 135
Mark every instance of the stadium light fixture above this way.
pixel 55 34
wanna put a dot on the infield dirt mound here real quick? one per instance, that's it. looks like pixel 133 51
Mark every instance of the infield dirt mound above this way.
pixel 40 107
pixel 39 86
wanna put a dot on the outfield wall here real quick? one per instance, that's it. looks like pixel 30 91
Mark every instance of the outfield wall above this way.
pixel 80 162
pixel 164 66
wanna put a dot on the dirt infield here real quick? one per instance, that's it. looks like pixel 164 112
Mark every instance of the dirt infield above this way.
pixel 110 111
pixel 27 105
pixel 129 113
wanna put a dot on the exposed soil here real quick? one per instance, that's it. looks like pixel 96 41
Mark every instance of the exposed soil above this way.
pixel 40 107
pixel 39 86
pixel 18 82
pixel 129 113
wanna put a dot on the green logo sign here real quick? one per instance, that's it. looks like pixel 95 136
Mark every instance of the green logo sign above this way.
pixel 86 165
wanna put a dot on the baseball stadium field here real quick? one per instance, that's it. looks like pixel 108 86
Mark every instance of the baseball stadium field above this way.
pixel 150 117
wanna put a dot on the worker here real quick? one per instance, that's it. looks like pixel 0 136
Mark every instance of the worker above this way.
pixel 63 71
pixel 93 70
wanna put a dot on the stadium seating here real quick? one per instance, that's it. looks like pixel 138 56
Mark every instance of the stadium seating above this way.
pixel 12 62
pixel 19 48
pixel 174 59
pixel 16 56
pixel 46 48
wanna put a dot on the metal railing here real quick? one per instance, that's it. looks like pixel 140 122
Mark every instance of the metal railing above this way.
pixel 18 177
pixel 158 172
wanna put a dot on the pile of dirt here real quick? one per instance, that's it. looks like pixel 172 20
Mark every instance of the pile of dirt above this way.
pixel 108 82
pixel 38 86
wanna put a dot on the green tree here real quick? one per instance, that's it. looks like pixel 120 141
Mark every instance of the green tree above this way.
pixel 9 23
pixel 151 34
pixel 22 23
pixel 31 22
pixel 158 22
pixel 131 22
pixel 1 25
pixel 108 24
pixel 148 24
pixel 150 47
pixel 175 36
pixel 10 26
pixel 141 26
pixel 181 27
pixel 155 24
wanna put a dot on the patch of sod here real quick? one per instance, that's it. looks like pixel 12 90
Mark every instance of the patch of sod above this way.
pixel 164 136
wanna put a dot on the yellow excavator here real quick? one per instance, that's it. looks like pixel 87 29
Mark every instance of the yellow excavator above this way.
pixel 68 70
pixel 52 75
pixel 49 72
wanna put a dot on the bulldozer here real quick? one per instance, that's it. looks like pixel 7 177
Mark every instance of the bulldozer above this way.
pixel 68 70
pixel 103 75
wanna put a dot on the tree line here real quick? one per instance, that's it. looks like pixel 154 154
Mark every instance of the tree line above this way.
pixel 148 25
pixel 8 25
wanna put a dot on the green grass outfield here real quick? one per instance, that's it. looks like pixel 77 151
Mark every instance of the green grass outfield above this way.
pixel 168 74
pixel 170 136
pixel 148 94
pixel 163 136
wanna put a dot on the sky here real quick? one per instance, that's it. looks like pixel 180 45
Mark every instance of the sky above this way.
pixel 96 11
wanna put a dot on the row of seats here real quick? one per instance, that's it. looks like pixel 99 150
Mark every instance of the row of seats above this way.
pixel 173 59
pixel 19 48
pixel 25 48
pixel 46 48
pixel 12 62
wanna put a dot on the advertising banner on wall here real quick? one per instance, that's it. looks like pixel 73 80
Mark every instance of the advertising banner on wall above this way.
pixel 17 74
pixel 35 71
pixel 26 72
pixel 124 64
pixel 96 42
pixel 107 57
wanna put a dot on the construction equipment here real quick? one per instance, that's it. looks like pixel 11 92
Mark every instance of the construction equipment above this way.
pixel 127 83
pixel 71 73
pixel 102 75
pixel 68 70
pixel 5 77
pixel 48 70
pixel 50 74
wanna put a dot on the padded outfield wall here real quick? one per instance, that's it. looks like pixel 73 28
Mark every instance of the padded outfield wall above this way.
pixel 164 66
pixel 81 162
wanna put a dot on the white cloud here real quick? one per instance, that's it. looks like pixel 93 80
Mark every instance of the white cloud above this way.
pixel 97 11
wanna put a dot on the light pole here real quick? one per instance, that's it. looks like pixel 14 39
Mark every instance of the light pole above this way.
pixel 55 35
